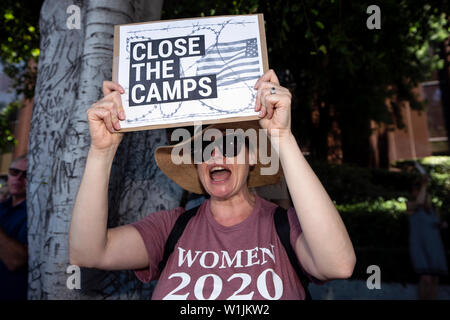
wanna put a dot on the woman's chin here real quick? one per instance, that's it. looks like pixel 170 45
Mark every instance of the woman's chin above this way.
pixel 220 194
pixel 220 191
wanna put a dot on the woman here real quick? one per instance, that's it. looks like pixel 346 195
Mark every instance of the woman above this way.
pixel 230 249
pixel 425 243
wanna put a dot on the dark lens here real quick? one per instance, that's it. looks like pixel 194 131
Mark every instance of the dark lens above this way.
pixel 228 145
pixel 199 155
pixel 15 172
pixel 216 143
pixel 232 145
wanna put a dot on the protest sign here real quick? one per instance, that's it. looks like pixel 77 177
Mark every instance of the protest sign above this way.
pixel 178 72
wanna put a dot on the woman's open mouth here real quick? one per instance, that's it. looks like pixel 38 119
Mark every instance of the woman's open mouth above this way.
pixel 219 173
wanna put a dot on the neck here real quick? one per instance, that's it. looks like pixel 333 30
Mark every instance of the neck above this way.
pixel 16 200
pixel 233 210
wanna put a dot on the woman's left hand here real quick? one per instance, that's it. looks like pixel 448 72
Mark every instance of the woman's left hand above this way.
pixel 274 105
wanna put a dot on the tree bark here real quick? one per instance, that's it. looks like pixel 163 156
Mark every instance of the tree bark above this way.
pixel 72 66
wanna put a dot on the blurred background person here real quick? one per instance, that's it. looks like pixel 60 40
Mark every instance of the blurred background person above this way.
pixel 425 243
pixel 4 193
pixel 13 234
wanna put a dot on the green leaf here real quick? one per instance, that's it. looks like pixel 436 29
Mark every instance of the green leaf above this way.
pixel 35 52
pixel 320 25
pixel 323 49
pixel 8 16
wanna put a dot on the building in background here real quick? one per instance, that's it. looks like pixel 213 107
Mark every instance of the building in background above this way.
pixel 424 133
pixel 435 116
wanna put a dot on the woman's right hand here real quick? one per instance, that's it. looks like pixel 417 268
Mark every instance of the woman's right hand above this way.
pixel 103 118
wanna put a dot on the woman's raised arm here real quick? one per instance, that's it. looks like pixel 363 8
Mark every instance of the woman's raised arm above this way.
pixel 91 243
pixel 324 247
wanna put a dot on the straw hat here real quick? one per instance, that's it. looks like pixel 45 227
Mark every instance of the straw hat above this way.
pixel 185 174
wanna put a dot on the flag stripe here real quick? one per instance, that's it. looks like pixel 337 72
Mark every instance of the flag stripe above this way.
pixel 225 50
pixel 234 73
pixel 221 59
pixel 230 82
pixel 227 65
pixel 231 62
pixel 227 44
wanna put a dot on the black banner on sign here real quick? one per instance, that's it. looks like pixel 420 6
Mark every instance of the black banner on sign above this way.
pixel 173 90
pixel 155 72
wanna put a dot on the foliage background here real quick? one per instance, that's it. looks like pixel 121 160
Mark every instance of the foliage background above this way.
pixel 372 204
pixel 339 71
pixel 340 74
pixel 19 51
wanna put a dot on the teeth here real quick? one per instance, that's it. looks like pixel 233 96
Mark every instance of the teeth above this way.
pixel 217 169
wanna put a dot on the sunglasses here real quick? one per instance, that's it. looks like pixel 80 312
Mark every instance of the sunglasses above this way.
pixel 229 146
pixel 16 172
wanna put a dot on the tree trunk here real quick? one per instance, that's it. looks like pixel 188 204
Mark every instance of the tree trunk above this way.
pixel 72 66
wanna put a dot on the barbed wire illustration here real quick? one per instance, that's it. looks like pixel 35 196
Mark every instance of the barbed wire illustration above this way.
pixel 232 74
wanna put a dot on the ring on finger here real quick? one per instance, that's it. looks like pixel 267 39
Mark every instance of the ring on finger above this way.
pixel 272 90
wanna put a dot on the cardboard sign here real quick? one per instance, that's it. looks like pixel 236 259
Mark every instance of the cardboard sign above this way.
pixel 178 72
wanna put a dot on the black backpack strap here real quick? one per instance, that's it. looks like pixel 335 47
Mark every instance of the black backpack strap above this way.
pixel 175 234
pixel 281 220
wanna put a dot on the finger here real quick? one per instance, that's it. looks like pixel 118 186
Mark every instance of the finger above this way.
pixel 275 101
pixel 114 117
pixel 278 99
pixel 259 99
pixel 109 86
pixel 262 112
pixel 270 88
pixel 111 107
pixel 270 105
pixel 270 101
pixel 99 113
pixel 278 89
pixel 106 117
pixel 263 94
pixel 269 76
pixel 113 99
pixel 111 119
pixel 116 98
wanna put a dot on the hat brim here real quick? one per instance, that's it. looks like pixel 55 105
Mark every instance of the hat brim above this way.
pixel 186 176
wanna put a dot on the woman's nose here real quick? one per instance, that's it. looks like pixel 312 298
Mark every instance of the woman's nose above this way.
pixel 216 154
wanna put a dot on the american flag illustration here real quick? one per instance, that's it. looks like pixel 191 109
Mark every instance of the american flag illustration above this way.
pixel 231 62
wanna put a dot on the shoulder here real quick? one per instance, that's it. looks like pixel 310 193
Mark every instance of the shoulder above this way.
pixel 265 206
pixel 4 205
pixel 269 208
pixel 164 219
